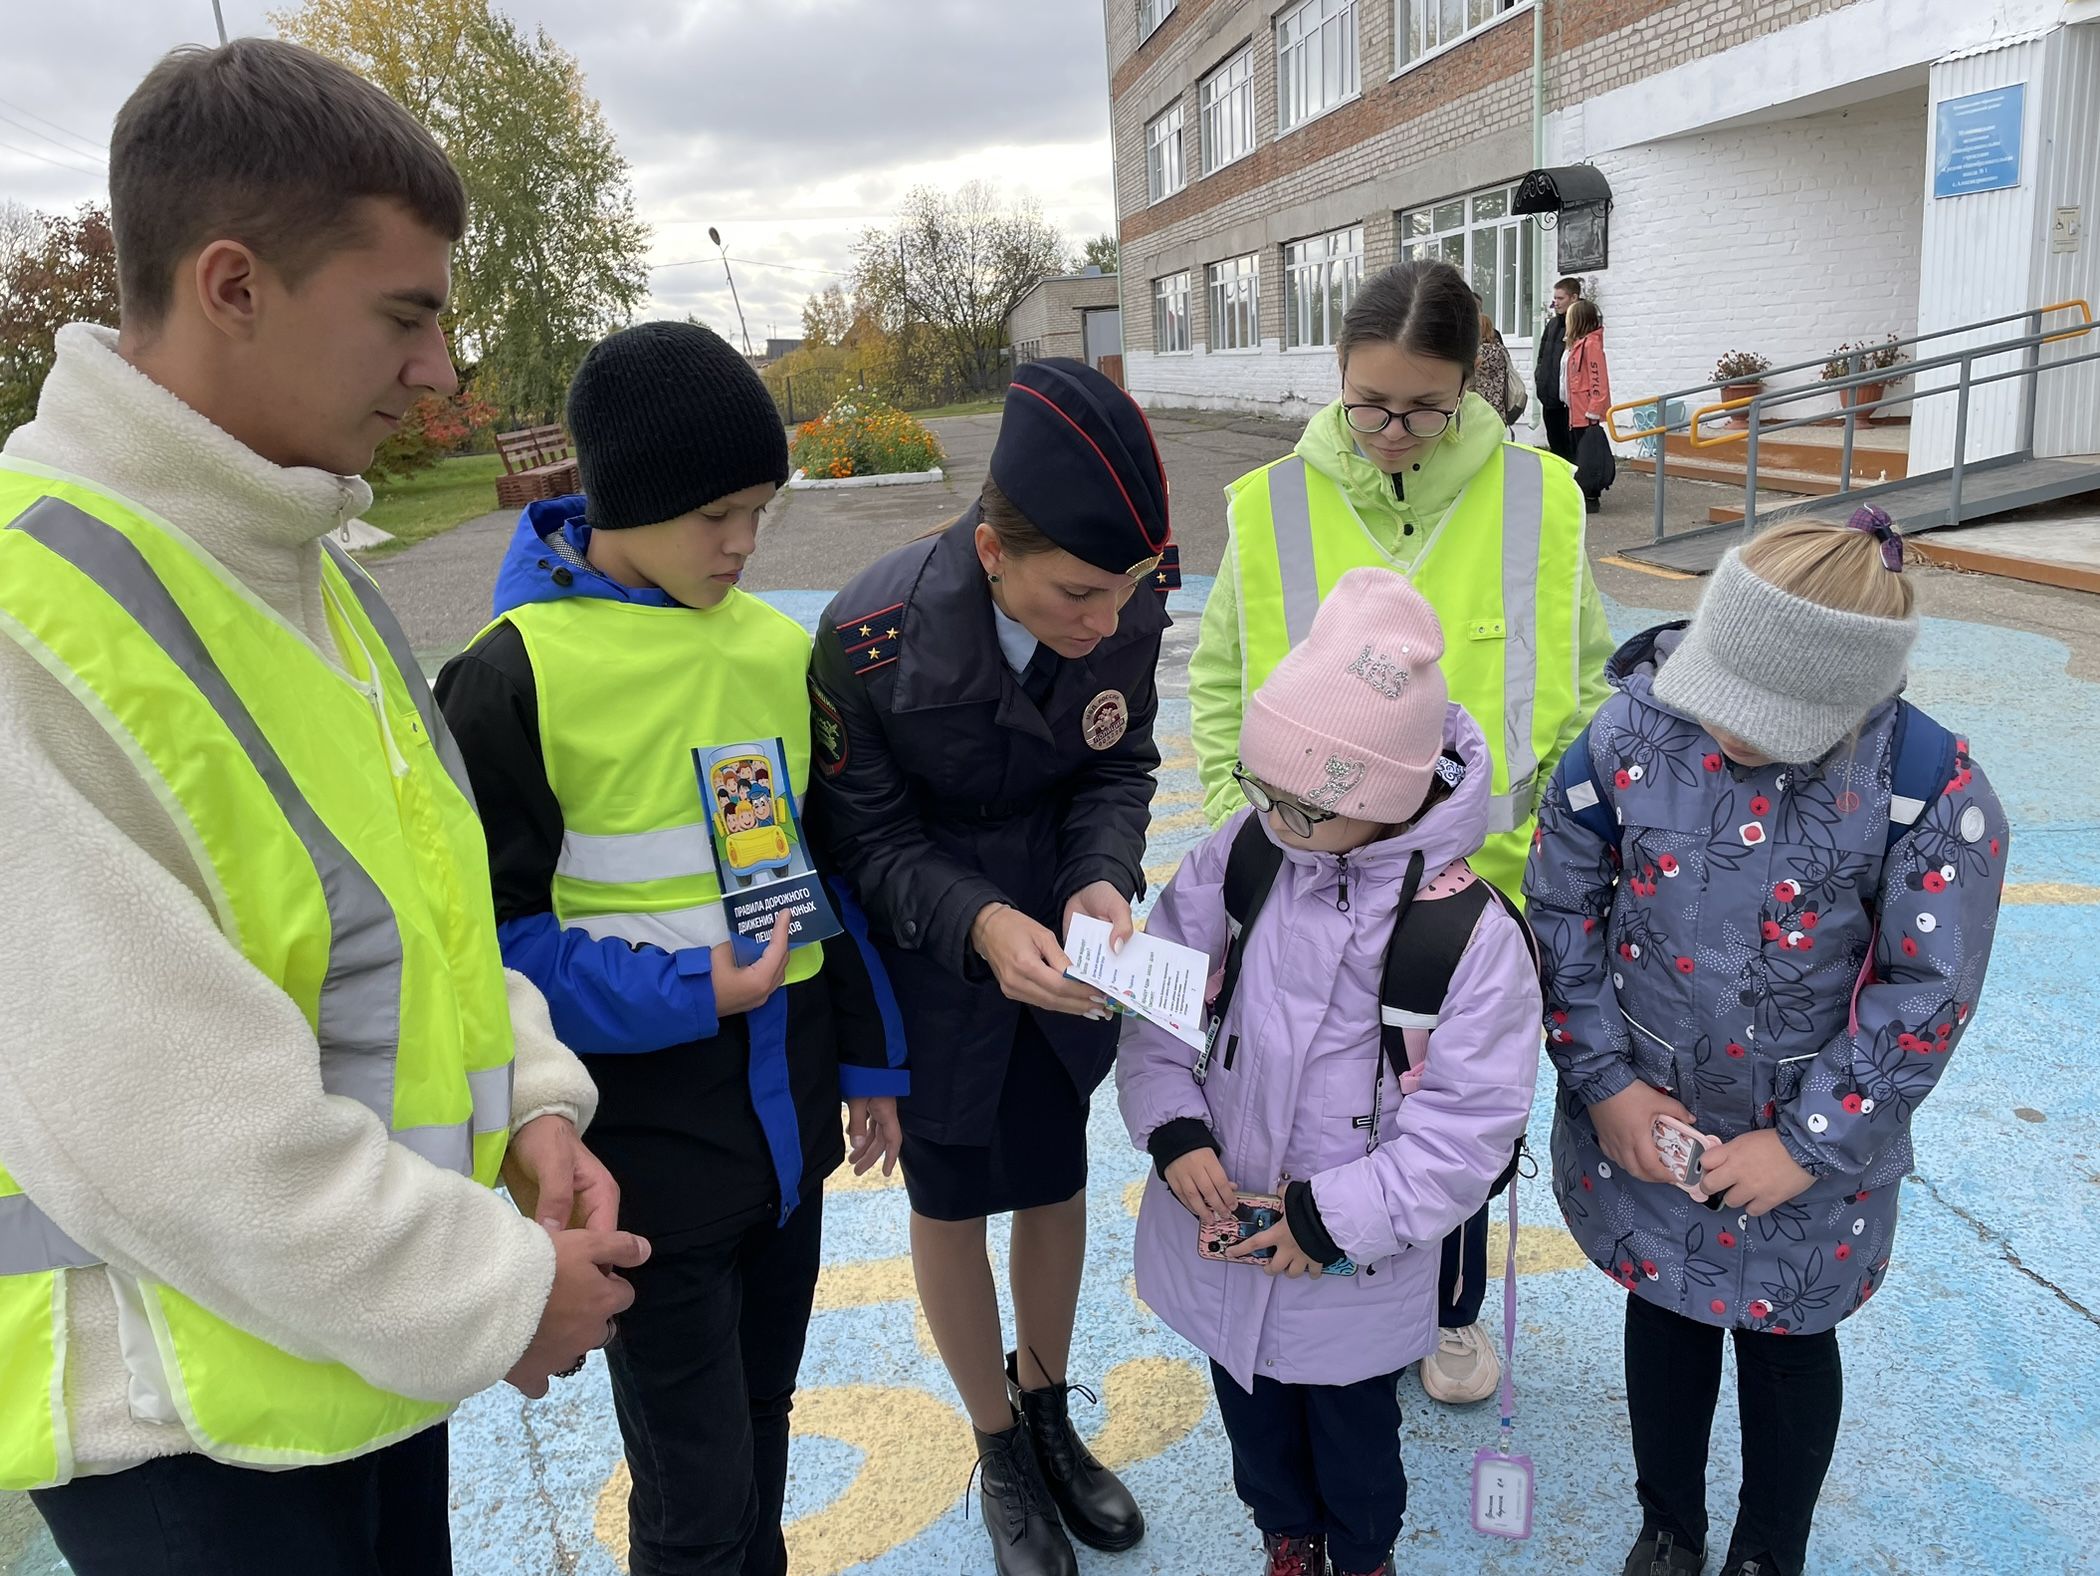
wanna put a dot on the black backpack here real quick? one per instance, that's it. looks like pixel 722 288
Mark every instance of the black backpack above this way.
pixel 1420 958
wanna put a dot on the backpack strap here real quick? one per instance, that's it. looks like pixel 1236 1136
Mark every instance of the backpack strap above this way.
pixel 1923 761
pixel 1584 793
pixel 1250 871
pixel 1426 946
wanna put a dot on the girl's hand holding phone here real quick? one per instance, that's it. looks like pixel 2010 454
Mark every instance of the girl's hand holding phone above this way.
pixel 1626 1129
pixel 1754 1173
pixel 1199 1181
pixel 1288 1259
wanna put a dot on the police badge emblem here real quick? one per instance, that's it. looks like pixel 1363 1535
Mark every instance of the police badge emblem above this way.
pixel 1105 720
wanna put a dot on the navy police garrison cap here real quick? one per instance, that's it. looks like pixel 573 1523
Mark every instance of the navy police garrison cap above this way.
pixel 1076 456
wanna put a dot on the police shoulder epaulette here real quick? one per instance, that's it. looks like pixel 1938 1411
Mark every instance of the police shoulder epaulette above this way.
pixel 1167 577
pixel 872 640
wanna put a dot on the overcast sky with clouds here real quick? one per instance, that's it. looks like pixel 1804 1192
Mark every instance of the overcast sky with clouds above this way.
pixel 790 124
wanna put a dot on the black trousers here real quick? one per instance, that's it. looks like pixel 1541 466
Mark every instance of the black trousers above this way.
pixel 1791 1389
pixel 703 1377
pixel 384 1514
pixel 1557 439
pixel 1320 1458
pixel 1461 1283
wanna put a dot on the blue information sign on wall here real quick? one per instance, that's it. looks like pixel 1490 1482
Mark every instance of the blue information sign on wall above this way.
pixel 1976 142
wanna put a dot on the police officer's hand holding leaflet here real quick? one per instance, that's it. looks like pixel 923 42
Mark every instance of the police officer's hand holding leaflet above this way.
pixel 263 1061
pixel 984 708
pixel 620 715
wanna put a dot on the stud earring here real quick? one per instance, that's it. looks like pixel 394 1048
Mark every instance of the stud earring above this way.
pixel 993 578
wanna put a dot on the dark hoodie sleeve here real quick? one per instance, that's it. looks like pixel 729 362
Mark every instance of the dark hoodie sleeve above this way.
pixel 605 996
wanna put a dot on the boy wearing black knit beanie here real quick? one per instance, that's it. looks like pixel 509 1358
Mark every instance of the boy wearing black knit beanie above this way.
pixel 621 647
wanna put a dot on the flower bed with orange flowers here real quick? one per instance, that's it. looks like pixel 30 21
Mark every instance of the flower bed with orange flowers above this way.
pixel 865 436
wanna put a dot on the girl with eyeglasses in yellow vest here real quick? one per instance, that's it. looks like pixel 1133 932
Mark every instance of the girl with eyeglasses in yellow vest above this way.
pixel 1409 470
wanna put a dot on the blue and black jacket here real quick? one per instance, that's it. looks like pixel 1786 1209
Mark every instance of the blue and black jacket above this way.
pixel 710 1124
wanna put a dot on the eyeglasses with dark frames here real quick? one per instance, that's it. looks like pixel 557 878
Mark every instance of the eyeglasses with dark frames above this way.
pixel 1424 423
pixel 1297 819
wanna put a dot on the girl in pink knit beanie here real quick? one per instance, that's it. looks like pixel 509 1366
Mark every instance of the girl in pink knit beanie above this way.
pixel 1353 1152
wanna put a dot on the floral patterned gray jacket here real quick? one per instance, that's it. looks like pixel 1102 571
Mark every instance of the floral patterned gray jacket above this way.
pixel 1719 949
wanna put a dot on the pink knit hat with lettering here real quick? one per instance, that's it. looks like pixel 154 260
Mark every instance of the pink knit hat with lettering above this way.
pixel 1352 720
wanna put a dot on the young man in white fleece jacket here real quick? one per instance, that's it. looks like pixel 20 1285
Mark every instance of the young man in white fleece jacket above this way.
pixel 172 1169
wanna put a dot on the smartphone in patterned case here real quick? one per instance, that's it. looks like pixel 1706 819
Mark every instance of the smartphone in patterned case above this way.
pixel 1253 1214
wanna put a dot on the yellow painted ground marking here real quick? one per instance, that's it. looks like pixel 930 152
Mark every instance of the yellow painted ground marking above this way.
pixel 1540 1249
pixel 2065 893
pixel 1192 820
pixel 1152 1404
pixel 917 1455
pixel 1133 1196
pixel 1160 872
pixel 870 1282
pixel 1656 570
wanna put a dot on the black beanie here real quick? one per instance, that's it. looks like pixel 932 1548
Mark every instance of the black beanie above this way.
pixel 667 417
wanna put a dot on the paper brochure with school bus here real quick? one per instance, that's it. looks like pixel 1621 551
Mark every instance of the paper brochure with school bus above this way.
pixel 760 858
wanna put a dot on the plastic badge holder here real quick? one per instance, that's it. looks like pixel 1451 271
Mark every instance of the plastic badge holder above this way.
pixel 1503 1481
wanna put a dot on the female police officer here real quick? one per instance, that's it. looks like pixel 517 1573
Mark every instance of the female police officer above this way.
pixel 983 718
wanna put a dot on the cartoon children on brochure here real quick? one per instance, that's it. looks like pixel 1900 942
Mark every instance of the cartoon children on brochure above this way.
pixel 753 833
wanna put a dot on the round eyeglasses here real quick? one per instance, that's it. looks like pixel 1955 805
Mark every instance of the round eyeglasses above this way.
pixel 1415 423
pixel 1296 818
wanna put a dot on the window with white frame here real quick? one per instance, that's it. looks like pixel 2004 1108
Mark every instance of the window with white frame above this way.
pixel 1165 174
pixel 1316 66
pixel 1235 303
pixel 1226 117
pixel 1422 27
pixel 1488 243
pixel 1170 314
pixel 1150 14
pixel 1320 279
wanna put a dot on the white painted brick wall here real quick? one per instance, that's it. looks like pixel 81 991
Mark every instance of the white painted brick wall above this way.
pixel 1787 238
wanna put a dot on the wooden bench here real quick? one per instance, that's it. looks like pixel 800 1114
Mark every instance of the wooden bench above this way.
pixel 538 463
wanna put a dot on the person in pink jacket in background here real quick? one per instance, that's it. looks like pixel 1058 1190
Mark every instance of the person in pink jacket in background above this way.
pixel 1359 764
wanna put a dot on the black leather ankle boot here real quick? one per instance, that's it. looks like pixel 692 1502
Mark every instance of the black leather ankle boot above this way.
pixel 1097 1509
pixel 1018 1511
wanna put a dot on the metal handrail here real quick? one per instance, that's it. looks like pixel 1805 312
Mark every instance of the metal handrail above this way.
pixel 1661 401
pixel 1883 375
pixel 2030 343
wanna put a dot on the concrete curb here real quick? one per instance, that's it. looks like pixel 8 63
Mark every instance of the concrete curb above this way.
pixel 801 481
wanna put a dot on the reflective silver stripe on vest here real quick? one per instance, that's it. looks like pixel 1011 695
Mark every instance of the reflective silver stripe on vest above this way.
pixel 1523 524
pixel 1290 517
pixel 360 999
pixel 1508 811
pixel 630 858
pixel 674 930
pixel 451 1144
pixel 30 1243
pixel 397 646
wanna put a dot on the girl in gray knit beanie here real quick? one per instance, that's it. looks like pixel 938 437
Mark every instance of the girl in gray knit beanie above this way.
pixel 1765 889
pixel 1801 633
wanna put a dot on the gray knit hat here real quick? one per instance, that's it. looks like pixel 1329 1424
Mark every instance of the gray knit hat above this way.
pixel 1784 674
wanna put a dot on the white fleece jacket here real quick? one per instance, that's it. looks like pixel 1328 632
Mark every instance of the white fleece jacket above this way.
pixel 160 1098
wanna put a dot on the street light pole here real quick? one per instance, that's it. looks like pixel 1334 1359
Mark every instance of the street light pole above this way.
pixel 715 236
pixel 219 17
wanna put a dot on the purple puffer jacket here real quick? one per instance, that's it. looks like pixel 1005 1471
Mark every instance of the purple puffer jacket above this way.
pixel 1298 1056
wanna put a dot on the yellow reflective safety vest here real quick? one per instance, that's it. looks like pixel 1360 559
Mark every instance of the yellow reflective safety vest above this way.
pixel 329 813
pixel 617 740
pixel 1504 571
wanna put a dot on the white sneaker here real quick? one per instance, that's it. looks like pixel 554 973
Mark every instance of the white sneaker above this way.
pixel 1463 1368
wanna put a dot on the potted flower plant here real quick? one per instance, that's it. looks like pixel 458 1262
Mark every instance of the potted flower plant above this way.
pixel 1865 357
pixel 1741 374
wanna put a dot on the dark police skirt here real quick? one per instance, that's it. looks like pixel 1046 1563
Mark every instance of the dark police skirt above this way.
pixel 1037 1153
